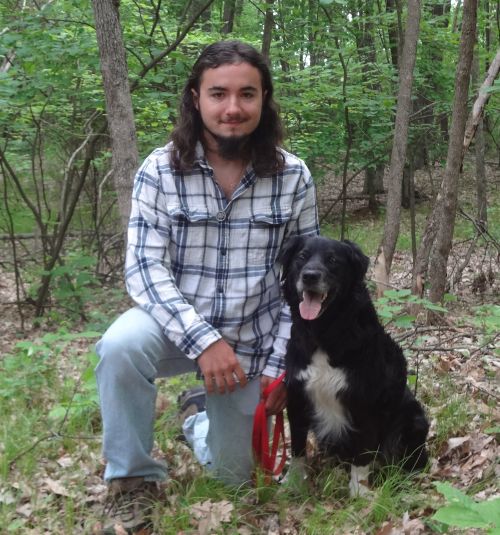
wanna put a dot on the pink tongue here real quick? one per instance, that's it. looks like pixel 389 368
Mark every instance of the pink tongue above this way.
pixel 310 306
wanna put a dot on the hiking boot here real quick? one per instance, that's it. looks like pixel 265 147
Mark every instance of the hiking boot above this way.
pixel 129 505
pixel 191 402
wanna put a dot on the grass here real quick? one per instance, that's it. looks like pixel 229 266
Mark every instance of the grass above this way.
pixel 50 432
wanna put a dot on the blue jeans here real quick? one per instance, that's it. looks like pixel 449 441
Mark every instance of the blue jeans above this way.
pixel 133 353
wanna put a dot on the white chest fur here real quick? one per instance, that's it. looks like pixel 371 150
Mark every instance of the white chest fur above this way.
pixel 323 384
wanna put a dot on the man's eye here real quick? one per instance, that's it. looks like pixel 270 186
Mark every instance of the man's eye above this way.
pixel 217 96
pixel 248 96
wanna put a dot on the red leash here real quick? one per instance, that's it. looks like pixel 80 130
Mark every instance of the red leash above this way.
pixel 260 438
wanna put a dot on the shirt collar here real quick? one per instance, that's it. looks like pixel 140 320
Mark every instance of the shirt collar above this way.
pixel 199 156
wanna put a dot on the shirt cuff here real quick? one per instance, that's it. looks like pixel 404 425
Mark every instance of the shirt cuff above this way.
pixel 274 367
pixel 197 339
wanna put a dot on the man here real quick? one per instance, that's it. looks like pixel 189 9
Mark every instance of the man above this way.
pixel 210 212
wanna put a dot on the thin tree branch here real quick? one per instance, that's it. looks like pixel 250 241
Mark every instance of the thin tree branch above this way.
pixel 135 84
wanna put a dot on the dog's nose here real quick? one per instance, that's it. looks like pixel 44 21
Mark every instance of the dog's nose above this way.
pixel 310 276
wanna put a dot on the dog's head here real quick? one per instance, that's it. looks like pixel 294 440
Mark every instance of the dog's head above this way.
pixel 316 271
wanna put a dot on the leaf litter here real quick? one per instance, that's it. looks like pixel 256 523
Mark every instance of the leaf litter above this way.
pixel 455 360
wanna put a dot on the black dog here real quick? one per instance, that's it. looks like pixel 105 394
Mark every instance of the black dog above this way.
pixel 346 377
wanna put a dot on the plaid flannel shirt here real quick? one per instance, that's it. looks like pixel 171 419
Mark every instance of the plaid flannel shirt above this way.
pixel 206 267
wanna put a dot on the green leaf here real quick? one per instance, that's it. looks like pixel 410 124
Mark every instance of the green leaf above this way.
pixel 433 306
pixel 58 412
pixel 464 512
pixel 490 511
pixel 460 516
pixel 454 495
pixel 405 322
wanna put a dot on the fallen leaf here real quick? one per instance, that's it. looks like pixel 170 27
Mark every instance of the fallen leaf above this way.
pixel 389 529
pixel 65 461
pixel 412 526
pixel 56 487
pixel 25 510
pixel 6 497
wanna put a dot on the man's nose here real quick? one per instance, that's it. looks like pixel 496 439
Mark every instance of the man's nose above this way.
pixel 233 104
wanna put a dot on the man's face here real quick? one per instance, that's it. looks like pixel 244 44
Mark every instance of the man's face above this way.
pixel 230 101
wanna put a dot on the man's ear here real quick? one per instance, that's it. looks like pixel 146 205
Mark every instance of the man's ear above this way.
pixel 291 246
pixel 196 99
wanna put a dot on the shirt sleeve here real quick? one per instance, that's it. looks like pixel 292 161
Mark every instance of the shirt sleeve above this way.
pixel 149 279
pixel 305 223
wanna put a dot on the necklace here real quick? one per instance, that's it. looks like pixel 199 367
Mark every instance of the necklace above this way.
pixel 228 182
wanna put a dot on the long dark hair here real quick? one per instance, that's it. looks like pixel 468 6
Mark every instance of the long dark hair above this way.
pixel 266 137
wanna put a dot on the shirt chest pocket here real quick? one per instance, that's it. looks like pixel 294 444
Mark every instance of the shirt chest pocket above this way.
pixel 189 235
pixel 266 234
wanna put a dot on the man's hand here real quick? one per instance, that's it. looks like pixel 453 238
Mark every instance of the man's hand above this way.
pixel 220 368
pixel 276 400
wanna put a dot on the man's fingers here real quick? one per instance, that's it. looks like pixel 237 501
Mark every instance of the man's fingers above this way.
pixel 230 382
pixel 224 381
pixel 276 401
pixel 240 374
pixel 209 384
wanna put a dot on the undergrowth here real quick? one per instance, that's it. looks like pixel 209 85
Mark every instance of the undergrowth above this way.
pixel 51 467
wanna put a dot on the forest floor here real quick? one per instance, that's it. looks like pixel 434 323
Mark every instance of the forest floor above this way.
pixel 51 468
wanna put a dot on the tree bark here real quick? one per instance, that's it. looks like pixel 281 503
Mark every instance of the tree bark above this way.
pixel 444 236
pixel 365 44
pixel 267 35
pixel 481 101
pixel 481 190
pixel 398 155
pixel 229 11
pixel 119 109
pixel 393 33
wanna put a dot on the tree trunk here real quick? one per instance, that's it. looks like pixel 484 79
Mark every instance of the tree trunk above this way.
pixel 481 190
pixel 398 155
pixel 373 184
pixel 481 101
pixel 365 44
pixel 454 27
pixel 268 29
pixel 204 18
pixel 120 114
pixel 421 262
pixel 393 33
pixel 229 11
pixel 444 236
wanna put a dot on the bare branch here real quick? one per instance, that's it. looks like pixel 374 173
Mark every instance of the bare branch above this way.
pixel 480 103
pixel 135 84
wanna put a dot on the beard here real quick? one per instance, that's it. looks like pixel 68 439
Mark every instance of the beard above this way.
pixel 232 147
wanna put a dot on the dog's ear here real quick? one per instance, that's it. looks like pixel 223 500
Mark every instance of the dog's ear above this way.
pixel 359 260
pixel 288 251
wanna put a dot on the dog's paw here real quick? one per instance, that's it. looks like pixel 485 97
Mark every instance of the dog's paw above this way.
pixel 359 485
pixel 295 480
pixel 359 489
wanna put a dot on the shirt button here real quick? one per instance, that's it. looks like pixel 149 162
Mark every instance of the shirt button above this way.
pixel 223 251
pixel 220 216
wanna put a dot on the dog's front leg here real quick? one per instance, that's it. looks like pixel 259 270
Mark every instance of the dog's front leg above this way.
pixel 298 411
pixel 299 417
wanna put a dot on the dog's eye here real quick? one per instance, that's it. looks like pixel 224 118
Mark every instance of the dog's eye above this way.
pixel 302 255
pixel 332 260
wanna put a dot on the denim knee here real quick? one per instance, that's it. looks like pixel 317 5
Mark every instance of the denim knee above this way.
pixel 124 352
